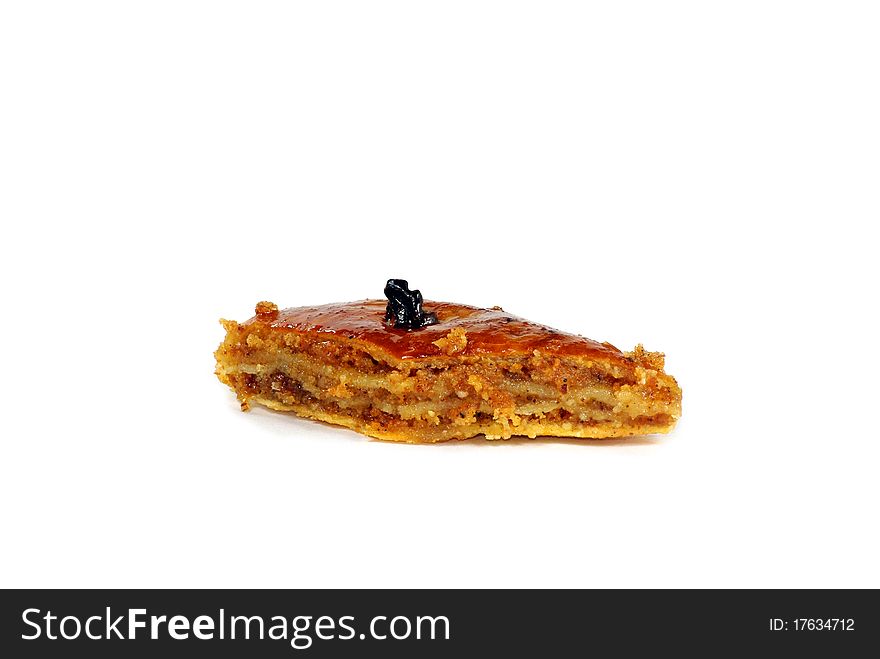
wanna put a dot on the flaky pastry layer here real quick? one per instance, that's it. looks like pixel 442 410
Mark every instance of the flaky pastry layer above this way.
pixel 497 375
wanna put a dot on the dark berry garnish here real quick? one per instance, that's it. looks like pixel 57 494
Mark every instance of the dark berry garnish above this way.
pixel 404 309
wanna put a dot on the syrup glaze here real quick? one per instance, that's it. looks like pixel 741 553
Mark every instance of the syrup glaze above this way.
pixel 489 331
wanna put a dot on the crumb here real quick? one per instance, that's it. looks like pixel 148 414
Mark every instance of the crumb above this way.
pixel 652 360
pixel 264 309
pixel 454 342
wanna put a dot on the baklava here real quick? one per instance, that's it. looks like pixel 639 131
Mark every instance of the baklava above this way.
pixel 409 370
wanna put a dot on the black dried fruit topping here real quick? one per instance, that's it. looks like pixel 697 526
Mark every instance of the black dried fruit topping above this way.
pixel 404 310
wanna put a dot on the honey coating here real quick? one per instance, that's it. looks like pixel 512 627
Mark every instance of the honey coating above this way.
pixel 489 331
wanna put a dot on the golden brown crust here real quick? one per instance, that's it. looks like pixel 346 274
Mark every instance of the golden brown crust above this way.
pixel 489 331
pixel 477 371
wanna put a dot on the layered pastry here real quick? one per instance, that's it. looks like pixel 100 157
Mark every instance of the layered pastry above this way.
pixel 409 370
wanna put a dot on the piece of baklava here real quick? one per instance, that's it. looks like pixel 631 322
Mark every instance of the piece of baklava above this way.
pixel 397 371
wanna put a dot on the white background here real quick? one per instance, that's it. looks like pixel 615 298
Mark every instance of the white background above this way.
pixel 700 177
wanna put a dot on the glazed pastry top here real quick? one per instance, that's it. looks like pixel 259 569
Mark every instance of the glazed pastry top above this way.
pixel 460 329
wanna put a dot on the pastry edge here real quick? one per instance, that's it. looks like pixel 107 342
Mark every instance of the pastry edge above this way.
pixel 492 431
